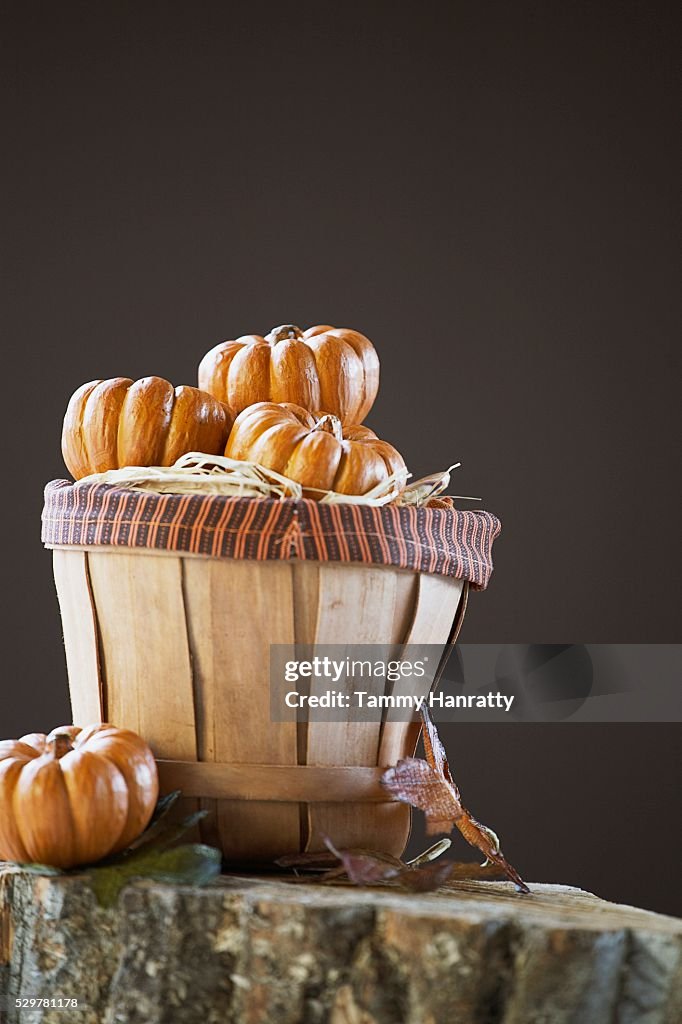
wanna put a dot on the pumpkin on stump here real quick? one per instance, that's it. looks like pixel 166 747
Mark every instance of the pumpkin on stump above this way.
pixel 120 422
pixel 74 796
pixel 314 449
pixel 332 368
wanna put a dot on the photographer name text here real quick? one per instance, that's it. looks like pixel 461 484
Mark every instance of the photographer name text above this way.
pixel 394 702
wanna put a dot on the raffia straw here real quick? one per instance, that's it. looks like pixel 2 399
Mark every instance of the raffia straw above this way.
pixel 419 492
pixel 196 473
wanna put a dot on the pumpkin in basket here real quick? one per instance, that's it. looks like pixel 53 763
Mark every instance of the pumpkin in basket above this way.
pixel 332 368
pixel 314 449
pixel 74 796
pixel 120 422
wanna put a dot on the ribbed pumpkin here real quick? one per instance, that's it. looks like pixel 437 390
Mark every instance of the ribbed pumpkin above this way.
pixel 313 449
pixel 332 368
pixel 74 796
pixel 120 422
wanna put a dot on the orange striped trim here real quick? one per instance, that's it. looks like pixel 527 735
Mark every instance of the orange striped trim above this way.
pixel 444 541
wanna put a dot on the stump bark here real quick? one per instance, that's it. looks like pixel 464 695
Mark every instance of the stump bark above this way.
pixel 255 951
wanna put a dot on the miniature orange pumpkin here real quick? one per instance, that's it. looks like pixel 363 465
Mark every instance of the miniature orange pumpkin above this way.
pixel 120 422
pixel 313 449
pixel 74 796
pixel 325 367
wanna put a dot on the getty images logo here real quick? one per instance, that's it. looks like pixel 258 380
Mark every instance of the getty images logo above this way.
pixel 335 669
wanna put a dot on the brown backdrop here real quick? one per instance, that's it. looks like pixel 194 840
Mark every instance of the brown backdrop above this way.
pixel 486 191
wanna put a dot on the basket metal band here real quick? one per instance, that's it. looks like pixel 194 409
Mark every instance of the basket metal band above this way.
pixel 274 782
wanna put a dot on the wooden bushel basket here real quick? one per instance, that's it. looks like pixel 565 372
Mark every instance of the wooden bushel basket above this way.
pixel 170 604
pixel 177 647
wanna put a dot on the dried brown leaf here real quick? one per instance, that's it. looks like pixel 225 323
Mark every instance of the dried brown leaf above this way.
pixel 426 878
pixel 435 751
pixel 371 867
pixel 365 868
pixel 429 786
pixel 415 782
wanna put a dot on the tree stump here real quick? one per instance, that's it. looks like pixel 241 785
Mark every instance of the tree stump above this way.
pixel 257 950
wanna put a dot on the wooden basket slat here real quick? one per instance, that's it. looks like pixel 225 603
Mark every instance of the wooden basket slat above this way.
pixel 406 593
pixel 356 606
pixel 199 625
pixel 145 650
pixel 430 621
pixel 393 821
pixel 79 625
pixel 233 615
pixel 146 667
pixel 437 601
pixel 306 584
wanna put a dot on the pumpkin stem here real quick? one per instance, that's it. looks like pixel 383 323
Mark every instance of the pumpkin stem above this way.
pixel 331 425
pixel 285 333
pixel 58 744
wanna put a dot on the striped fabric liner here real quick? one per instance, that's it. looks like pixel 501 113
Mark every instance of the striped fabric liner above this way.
pixel 443 541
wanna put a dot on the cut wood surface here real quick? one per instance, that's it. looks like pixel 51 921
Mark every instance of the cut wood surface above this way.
pixel 270 951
